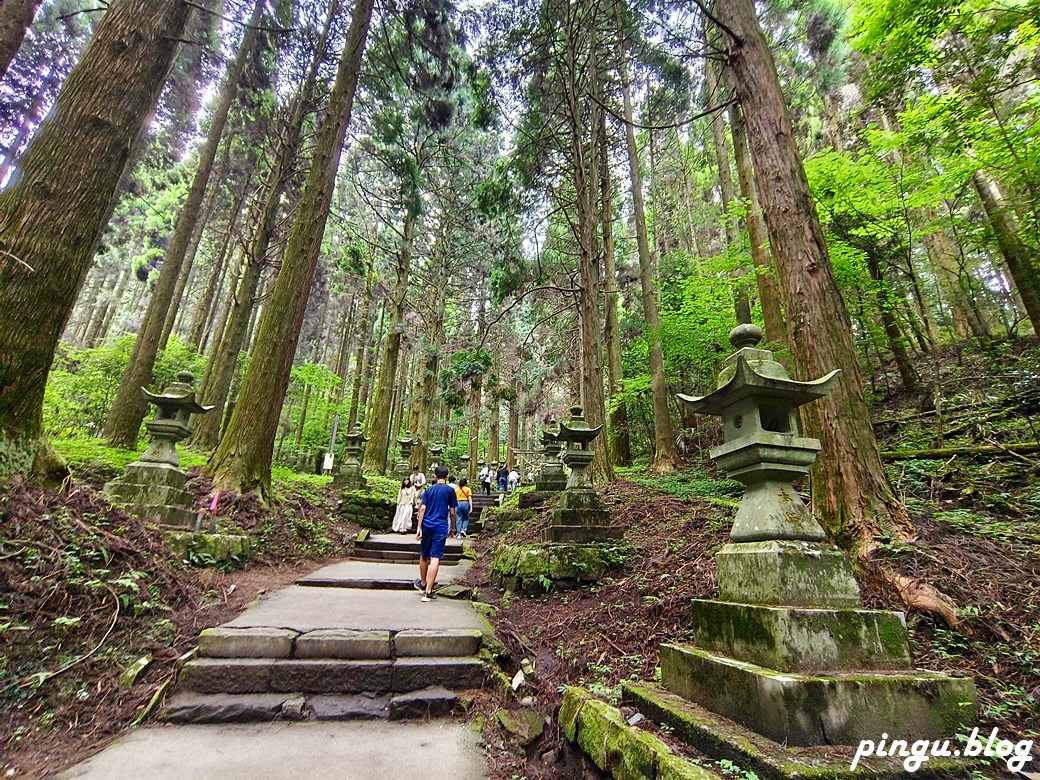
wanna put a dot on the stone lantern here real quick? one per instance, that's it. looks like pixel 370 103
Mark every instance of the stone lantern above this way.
pixel 463 467
pixel 349 475
pixel 404 465
pixel 551 475
pixel 152 487
pixel 580 517
pixel 787 650
pixel 436 451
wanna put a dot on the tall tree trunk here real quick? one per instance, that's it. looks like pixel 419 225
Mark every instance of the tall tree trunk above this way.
pixel 365 337
pixel 243 459
pixel 15 18
pixel 893 335
pixel 513 432
pixel 54 212
pixel 1016 255
pixel 367 388
pixel 943 257
pixel 123 424
pixel 666 457
pixel 618 438
pixel 494 454
pixel 765 275
pixel 379 423
pixel 850 490
pixel 174 309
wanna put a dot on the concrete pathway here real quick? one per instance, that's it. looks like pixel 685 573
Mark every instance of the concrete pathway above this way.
pixel 355 750
pixel 353 597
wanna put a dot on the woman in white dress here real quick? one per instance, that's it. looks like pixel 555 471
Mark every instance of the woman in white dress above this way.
pixel 405 504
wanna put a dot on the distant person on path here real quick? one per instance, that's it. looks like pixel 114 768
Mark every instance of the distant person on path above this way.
pixel 464 496
pixel 435 515
pixel 405 506
pixel 485 480
pixel 454 485
pixel 503 478
pixel 514 480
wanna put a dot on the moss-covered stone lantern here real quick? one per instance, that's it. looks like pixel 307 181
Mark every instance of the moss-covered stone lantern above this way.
pixel 349 475
pixel 403 468
pixel 152 487
pixel 551 476
pixel 788 650
pixel 580 517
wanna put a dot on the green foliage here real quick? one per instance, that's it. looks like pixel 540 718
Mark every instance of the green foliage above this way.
pixel 690 484
pixel 92 458
pixel 82 383
pixel 466 365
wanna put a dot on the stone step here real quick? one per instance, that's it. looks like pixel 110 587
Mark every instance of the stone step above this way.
pixel 404 543
pixel 191 707
pixel 337 643
pixel 322 675
pixel 392 556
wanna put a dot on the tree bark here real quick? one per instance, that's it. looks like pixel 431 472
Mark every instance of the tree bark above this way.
pixel 15 18
pixel 379 422
pixel 53 213
pixel 618 439
pixel 366 335
pixel 123 424
pixel 243 460
pixel 850 491
pixel 666 457
pixel 765 274
pixel 1016 255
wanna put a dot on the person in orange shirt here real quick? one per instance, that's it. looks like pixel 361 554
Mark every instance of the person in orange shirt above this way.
pixel 464 495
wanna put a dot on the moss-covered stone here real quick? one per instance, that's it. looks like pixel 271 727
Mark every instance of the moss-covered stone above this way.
pixel 821 709
pixel 792 639
pixel 615 747
pixel 573 700
pixel 368 510
pixel 202 549
pixel 535 568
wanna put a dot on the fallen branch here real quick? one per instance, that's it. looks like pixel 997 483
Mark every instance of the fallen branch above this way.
pixel 1006 449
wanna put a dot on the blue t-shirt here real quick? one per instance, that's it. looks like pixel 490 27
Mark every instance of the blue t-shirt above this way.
pixel 438 499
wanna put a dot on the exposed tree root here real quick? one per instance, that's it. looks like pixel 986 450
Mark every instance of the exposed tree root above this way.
pixel 919 596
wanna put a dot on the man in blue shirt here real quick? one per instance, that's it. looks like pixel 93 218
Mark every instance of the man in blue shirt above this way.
pixel 436 515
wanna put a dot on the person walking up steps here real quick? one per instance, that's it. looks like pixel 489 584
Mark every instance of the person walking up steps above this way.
pixel 405 505
pixel 463 494
pixel 437 510
pixel 485 480
pixel 503 477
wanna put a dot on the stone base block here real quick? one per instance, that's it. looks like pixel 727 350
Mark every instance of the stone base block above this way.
pixel 721 739
pixel 550 485
pixel 791 639
pixel 176 517
pixel 210 549
pixel 581 534
pixel 786 573
pixel 153 475
pixel 581 499
pixel 839 709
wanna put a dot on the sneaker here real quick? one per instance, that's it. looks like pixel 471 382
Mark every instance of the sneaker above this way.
pixel 418 584
pixel 429 597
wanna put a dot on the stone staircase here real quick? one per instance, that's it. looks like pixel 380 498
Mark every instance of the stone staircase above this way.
pixel 400 548
pixel 477 506
pixel 264 673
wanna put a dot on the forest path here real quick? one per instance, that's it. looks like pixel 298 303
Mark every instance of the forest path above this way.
pixel 334 681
